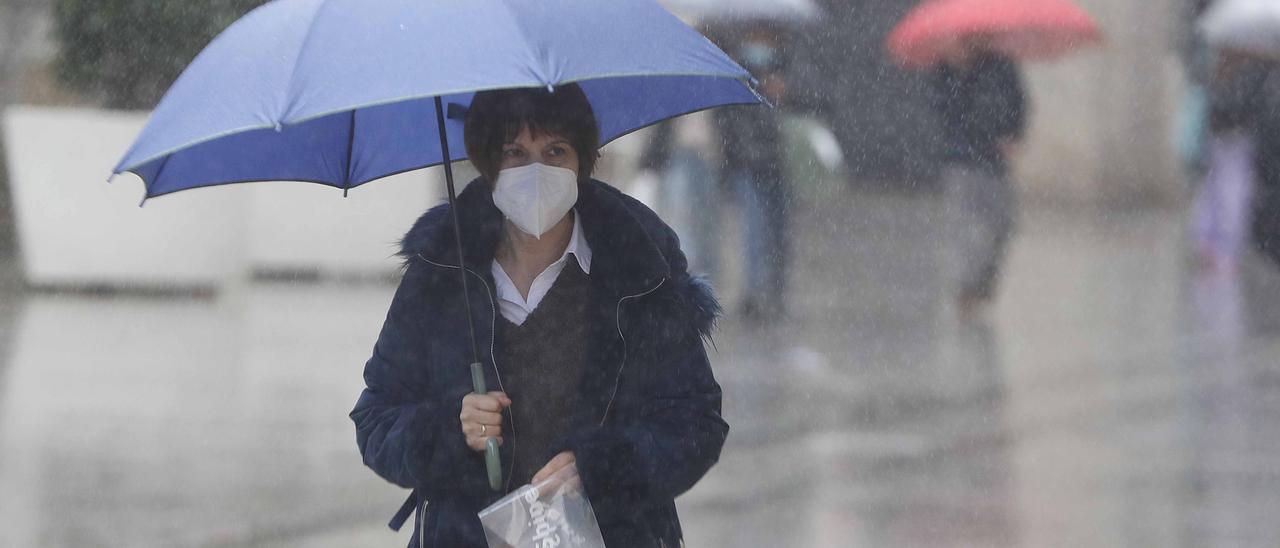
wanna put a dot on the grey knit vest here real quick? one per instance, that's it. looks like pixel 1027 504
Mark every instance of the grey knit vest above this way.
pixel 542 362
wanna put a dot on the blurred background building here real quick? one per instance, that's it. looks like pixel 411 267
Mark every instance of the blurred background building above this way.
pixel 1100 126
pixel 1100 118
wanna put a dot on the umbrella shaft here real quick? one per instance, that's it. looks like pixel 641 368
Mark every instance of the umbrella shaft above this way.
pixel 457 226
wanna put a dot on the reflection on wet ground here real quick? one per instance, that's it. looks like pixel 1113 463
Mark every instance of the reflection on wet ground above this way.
pixel 1113 397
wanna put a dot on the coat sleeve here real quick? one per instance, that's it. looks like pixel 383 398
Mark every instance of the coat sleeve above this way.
pixel 662 450
pixel 406 435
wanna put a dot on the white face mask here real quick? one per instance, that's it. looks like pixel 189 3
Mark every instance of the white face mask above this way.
pixel 535 197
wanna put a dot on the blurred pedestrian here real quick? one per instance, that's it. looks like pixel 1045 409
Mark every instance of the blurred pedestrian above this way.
pixel 753 149
pixel 1250 31
pixel 979 98
pixel 596 329
pixel 1221 209
pixel 683 158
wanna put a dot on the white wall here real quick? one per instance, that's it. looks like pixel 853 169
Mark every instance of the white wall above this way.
pixel 1102 119
pixel 298 226
pixel 76 229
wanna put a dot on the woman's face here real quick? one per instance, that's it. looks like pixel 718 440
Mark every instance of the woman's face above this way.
pixel 546 148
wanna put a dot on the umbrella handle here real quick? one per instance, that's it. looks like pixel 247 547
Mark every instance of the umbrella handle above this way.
pixel 492 462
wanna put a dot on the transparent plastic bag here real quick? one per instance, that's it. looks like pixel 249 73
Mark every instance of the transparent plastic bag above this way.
pixel 552 514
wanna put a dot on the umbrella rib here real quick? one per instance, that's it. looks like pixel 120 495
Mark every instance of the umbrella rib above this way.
pixel 351 141
pixel 297 58
pixel 537 57
pixel 146 185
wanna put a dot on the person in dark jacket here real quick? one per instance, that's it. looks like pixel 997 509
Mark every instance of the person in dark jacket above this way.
pixel 588 323
pixel 753 164
pixel 682 160
pixel 1220 210
pixel 979 98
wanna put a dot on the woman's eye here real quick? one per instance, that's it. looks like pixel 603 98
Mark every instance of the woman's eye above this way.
pixel 512 153
pixel 556 152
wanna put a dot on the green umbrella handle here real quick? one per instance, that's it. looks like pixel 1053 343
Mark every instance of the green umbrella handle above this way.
pixel 492 462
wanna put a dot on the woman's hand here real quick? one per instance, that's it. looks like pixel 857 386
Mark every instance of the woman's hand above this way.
pixel 481 418
pixel 561 469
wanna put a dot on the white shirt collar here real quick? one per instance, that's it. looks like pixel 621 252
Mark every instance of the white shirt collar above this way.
pixel 578 245
pixel 515 308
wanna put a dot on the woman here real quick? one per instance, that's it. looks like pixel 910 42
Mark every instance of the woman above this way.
pixel 753 164
pixel 588 324
pixel 1220 211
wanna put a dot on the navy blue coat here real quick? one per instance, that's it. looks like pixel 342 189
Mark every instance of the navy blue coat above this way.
pixel 647 424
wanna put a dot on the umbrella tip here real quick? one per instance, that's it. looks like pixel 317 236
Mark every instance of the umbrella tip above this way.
pixel 279 127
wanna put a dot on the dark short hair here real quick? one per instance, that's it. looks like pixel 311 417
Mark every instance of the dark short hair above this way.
pixel 496 117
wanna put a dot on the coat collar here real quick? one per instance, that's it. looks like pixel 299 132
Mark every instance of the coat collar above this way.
pixel 625 256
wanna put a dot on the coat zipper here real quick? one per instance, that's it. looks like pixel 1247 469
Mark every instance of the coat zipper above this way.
pixel 493 356
pixel 618 322
pixel 422 524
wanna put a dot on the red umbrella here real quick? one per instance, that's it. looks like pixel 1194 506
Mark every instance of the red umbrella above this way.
pixel 1022 29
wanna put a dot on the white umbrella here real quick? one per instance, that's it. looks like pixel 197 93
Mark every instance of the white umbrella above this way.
pixel 794 10
pixel 1247 25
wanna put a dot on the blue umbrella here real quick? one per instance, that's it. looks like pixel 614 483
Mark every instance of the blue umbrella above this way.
pixel 343 92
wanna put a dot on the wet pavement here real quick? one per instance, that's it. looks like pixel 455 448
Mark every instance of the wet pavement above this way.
pixel 1114 396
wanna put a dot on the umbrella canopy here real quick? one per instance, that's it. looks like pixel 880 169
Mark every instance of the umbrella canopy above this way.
pixel 342 92
pixel 782 10
pixel 1251 26
pixel 1022 29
